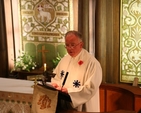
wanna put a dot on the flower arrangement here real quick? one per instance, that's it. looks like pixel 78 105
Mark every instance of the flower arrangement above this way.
pixel 24 62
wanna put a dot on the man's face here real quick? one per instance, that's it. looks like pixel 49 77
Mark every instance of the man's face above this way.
pixel 73 45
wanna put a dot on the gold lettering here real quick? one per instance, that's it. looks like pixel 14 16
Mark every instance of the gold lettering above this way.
pixel 62 13
pixel 45 34
pixel 27 12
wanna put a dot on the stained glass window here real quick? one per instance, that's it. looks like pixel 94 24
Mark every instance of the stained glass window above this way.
pixel 130 40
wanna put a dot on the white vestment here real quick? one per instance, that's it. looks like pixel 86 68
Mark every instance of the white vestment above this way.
pixel 83 81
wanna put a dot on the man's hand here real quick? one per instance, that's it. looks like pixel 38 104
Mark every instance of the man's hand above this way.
pixel 63 89
pixel 54 85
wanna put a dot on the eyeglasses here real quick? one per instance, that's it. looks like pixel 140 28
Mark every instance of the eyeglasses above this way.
pixel 71 46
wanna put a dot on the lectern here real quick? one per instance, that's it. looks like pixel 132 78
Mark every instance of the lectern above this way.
pixel 47 99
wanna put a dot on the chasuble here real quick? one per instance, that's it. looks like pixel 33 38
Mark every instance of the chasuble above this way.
pixel 83 80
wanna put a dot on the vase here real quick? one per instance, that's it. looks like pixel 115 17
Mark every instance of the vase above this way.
pixel 18 69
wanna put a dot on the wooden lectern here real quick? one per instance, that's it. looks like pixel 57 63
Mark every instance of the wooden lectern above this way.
pixel 47 99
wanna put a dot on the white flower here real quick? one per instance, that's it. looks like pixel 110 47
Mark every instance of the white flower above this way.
pixel 33 68
pixel 25 62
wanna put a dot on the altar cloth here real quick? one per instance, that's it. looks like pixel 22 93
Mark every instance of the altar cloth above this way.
pixel 16 85
pixel 15 95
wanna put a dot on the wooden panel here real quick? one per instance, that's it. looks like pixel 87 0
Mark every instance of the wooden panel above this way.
pixel 119 96
pixel 112 100
pixel 102 100
pixel 137 103
pixel 119 99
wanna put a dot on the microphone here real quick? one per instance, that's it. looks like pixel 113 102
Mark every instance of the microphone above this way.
pixel 65 79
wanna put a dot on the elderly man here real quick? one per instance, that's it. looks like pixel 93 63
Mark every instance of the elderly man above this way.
pixel 84 75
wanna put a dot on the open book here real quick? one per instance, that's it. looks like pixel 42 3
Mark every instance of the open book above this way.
pixel 61 95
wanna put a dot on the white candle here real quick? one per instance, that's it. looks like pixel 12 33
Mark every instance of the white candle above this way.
pixel 45 66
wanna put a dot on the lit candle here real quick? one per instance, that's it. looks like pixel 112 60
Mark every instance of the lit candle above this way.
pixel 45 66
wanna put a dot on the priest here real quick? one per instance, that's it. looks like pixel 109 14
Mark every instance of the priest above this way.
pixel 78 74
